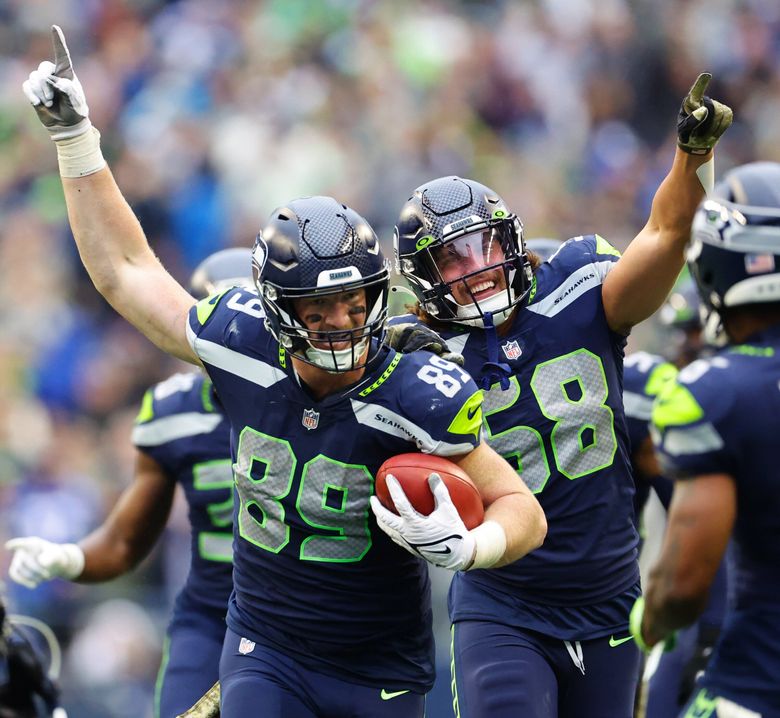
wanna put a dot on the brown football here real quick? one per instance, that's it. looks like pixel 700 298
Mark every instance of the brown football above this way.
pixel 412 471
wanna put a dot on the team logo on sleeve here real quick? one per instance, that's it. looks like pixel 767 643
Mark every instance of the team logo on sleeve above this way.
pixel 511 350
pixel 311 418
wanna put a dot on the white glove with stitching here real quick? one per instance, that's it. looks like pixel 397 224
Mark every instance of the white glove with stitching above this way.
pixel 56 93
pixel 440 538
pixel 37 560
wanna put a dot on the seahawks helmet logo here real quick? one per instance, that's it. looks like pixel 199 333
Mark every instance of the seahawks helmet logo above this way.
pixel 259 255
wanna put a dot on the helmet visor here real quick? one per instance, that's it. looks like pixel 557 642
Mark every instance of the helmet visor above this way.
pixel 473 266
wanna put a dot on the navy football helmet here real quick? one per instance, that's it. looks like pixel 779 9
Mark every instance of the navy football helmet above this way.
pixel 461 250
pixel 315 247
pixel 222 270
pixel 543 247
pixel 28 688
pixel 734 252
pixel 681 310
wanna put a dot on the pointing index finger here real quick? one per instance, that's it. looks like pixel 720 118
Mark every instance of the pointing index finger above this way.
pixel 62 64
pixel 697 91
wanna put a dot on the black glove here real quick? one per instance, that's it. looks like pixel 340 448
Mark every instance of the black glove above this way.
pixel 412 337
pixel 701 120
pixel 705 644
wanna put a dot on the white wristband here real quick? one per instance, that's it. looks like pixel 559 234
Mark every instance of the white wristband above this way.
pixel 490 540
pixel 80 156
pixel 74 565
pixel 706 175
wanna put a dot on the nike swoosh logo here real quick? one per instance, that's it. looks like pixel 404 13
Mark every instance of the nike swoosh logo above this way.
pixel 617 641
pixel 389 695
pixel 472 412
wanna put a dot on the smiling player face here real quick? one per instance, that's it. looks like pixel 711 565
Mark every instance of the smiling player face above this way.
pixel 476 260
pixel 333 318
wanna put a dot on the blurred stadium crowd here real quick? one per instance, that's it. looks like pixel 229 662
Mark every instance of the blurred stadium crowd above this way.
pixel 213 113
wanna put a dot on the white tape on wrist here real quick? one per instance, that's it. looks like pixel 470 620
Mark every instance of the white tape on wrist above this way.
pixel 490 542
pixel 75 561
pixel 80 156
pixel 706 175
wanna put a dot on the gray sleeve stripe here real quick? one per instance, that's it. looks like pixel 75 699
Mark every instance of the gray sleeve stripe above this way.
pixel 170 428
pixel 694 440
pixel 637 406
pixel 382 419
pixel 216 355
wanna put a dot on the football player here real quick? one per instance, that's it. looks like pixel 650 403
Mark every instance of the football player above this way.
pixel 548 636
pixel 182 436
pixel 681 315
pixel 644 375
pixel 328 615
pixel 715 428
pixel 669 676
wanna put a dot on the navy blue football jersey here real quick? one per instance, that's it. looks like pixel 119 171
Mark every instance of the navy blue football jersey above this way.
pixel 314 576
pixel 644 375
pixel 182 427
pixel 560 422
pixel 721 416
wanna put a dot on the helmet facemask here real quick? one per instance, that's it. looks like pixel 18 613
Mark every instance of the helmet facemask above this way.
pixel 334 350
pixel 470 273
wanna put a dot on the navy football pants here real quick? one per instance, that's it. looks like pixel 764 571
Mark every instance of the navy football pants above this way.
pixel 265 682
pixel 506 672
pixel 190 664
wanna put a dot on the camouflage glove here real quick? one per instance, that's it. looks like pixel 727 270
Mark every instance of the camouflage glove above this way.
pixel 412 337
pixel 701 120
pixel 207 706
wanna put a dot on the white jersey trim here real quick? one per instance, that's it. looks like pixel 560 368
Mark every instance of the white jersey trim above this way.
pixel 573 287
pixel 637 406
pixel 382 419
pixel 693 440
pixel 216 355
pixel 178 426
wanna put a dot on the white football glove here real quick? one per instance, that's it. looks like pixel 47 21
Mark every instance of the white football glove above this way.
pixel 37 560
pixel 441 537
pixel 56 93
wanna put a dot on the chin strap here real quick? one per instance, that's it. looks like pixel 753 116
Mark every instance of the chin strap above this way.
pixel 493 370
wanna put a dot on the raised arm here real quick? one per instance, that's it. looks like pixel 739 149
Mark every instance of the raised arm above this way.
pixel 114 548
pixel 644 275
pixel 110 240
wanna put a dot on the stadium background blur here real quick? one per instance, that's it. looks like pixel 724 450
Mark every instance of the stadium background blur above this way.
pixel 213 113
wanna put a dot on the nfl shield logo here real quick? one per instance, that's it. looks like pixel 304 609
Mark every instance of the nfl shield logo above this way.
pixel 511 350
pixel 245 646
pixel 311 418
